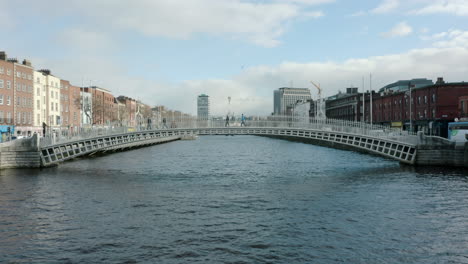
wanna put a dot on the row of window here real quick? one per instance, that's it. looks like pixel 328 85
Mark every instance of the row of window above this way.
pixel 419 102
pixel 24 118
pixel 399 115
pixel 24 75
pixel 2 71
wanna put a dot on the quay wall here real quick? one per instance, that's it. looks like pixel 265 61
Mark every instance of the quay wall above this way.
pixel 20 153
pixel 437 151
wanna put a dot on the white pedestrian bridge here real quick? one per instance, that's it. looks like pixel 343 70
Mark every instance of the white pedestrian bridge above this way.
pixel 391 143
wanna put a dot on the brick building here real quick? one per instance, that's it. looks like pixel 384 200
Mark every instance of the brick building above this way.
pixel 128 114
pixel 432 107
pixel 70 105
pixel 103 105
pixel 16 96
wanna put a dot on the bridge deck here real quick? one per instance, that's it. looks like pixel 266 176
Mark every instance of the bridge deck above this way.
pixel 391 147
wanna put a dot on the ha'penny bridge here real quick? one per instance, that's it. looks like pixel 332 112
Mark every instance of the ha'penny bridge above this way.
pixel 407 148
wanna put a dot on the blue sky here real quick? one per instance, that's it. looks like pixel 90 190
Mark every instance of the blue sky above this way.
pixel 167 52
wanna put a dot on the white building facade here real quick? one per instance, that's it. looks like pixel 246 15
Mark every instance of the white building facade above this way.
pixel 286 97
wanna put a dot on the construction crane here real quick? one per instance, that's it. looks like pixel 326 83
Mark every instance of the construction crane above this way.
pixel 319 113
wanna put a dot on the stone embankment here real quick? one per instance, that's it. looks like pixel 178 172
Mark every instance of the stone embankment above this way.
pixel 20 153
pixel 437 151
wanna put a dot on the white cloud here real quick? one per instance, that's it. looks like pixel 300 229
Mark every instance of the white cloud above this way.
pixel 456 7
pixel 454 38
pixel 386 6
pixel 399 30
pixel 260 22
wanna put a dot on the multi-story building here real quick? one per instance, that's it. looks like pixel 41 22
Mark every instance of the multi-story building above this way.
pixel 16 95
pixel 104 107
pixel 7 95
pixel 74 98
pixel 427 108
pixel 52 99
pixel 130 110
pixel 203 107
pixel 70 105
pixel 345 106
pixel 40 94
pixel 285 97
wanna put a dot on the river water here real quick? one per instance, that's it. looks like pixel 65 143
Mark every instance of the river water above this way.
pixel 241 199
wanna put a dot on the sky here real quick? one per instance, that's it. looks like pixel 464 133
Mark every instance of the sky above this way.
pixel 167 52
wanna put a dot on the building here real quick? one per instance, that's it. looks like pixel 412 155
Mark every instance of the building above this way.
pixel 40 109
pixel 428 108
pixel 130 111
pixel 103 105
pixel 285 97
pixel 52 99
pixel 70 105
pixel 16 96
pixel 203 107
pixel 345 106
pixel 402 85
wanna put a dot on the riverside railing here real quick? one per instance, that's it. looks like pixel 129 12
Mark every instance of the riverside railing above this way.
pixel 328 125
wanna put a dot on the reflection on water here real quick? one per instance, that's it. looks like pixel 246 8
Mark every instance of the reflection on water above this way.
pixel 239 199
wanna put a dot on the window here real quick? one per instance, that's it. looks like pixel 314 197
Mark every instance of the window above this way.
pixel 38 80
pixel 51 94
pixel 18 120
pixel 18 86
pixel 8 72
pixel 56 95
pixel 2 70
pixel 18 102
pixel 433 113
pixel 419 100
pixel 18 74
pixel 433 98
pixel 8 100
pixel 23 75
pixel 38 105
pixel 56 107
pixel 425 99
pixel 1 99
pixel 8 85
pixel 38 91
pixel 1 83
pixel 1 116
pixel 24 117
pixel 52 106
pixel 8 117
pixel 38 118
pixel 24 87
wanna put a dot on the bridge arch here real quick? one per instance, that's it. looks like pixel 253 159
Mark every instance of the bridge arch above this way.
pixel 53 153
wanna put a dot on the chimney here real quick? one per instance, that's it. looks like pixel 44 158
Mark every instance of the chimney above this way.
pixel 27 63
pixel 45 71
pixel 3 56
pixel 440 80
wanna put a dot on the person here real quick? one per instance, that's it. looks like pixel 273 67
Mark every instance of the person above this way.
pixel 242 120
pixel 44 126
pixel 164 123
pixel 149 124
pixel 227 121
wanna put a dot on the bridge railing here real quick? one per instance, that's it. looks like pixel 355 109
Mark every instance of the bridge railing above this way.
pixel 345 126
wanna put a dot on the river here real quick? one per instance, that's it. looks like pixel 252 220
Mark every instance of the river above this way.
pixel 234 199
